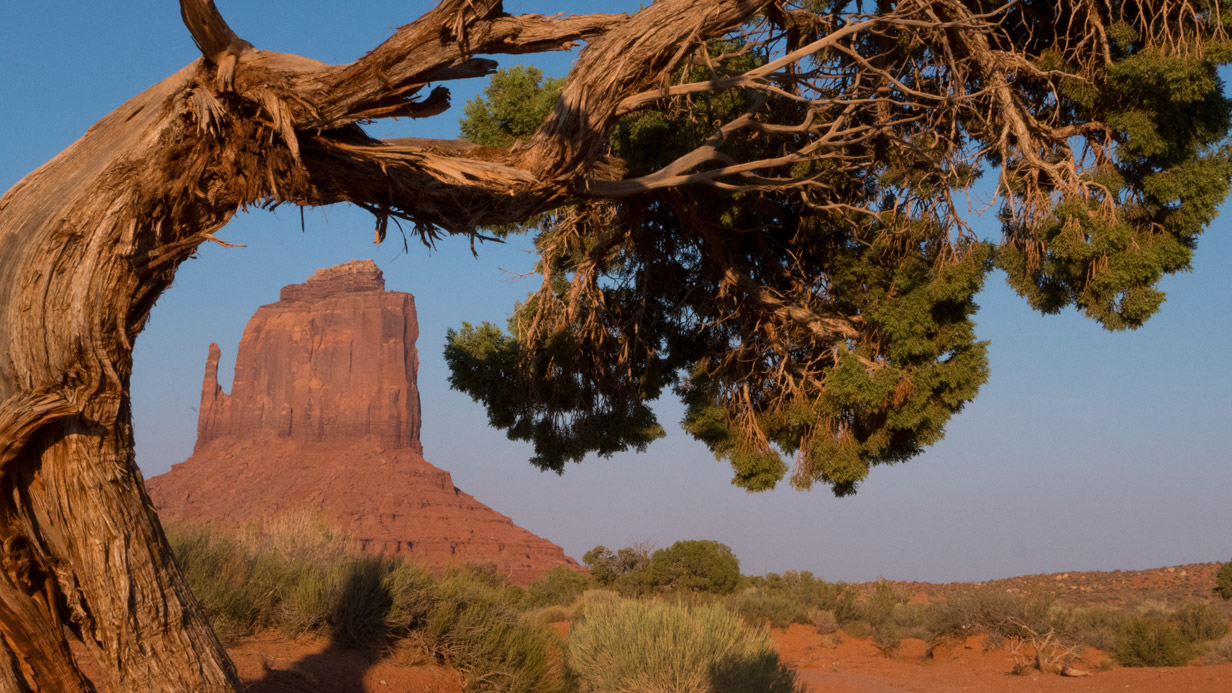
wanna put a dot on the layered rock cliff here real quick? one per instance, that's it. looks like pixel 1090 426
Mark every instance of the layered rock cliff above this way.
pixel 323 415
pixel 333 359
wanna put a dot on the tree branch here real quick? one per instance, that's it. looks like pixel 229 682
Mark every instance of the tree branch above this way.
pixel 217 42
pixel 422 51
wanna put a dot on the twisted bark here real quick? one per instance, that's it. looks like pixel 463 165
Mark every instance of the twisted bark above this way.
pixel 93 237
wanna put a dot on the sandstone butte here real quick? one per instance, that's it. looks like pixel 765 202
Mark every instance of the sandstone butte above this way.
pixel 324 417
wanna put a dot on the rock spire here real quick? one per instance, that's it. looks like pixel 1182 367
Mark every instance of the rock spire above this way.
pixel 333 359
pixel 323 416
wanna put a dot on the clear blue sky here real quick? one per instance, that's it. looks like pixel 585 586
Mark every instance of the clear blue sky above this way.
pixel 1085 451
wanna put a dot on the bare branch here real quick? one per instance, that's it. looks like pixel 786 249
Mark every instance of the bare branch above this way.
pixel 217 42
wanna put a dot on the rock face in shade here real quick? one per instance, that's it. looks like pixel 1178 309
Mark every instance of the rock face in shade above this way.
pixel 324 416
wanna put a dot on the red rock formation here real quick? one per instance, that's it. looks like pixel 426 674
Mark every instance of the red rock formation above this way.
pixel 323 415
pixel 334 359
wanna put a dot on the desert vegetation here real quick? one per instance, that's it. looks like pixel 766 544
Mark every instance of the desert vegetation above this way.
pixel 621 628
pixel 296 576
pixel 750 203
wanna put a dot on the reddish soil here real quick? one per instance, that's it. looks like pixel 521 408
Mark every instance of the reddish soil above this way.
pixel 847 664
pixel 273 664
pixel 840 663
pixel 1117 587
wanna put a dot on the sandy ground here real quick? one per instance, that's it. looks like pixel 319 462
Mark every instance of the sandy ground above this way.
pixel 271 663
pixel 851 665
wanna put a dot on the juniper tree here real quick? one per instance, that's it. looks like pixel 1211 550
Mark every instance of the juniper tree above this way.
pixel 817 306
pixel 754 203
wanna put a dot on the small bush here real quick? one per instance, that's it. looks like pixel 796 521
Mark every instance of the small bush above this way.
pixel 810 592
pixel 1201 622
pixel 858 629
pixel 640 646
pixel 222 576
pixel 991 611
pixel 824 621
pixel 1094 626
pixel 553 614
pixel 759 608
pixel 694 566
pixel 559 586
pixel 879 608
pixel 912 620
pixel 1152 641
pixel 623 571
pixel 1218 652
pixel 488 640
pixel 1223 581
pixel 295 576
pixel 886 638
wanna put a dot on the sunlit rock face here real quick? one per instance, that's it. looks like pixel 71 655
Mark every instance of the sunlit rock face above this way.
pixel 334 359
pixel 324 416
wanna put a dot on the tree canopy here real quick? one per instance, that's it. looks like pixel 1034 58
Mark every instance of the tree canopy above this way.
pixel 757 204
pixel 789 251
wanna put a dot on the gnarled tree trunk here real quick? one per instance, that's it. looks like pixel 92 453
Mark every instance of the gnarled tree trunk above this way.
pixel 92 238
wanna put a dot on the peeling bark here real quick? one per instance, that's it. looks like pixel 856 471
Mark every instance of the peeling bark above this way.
pixel 93 237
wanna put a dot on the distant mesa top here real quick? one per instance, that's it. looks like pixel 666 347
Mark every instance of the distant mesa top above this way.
pixel 349 277
pixel 334 359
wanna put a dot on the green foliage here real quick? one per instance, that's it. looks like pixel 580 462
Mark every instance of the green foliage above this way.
pixel 1152 641
pixel 1219 652
pixel 298 577
pixel 831 321
pixel 488 364
pixel 488 640
pixel 992 611
pixel 642 646
pixel 858 629
pixel 879 611
pixel 824 621
pixel 810 592
pixel 1201 622
pixel 694 566
pixel 559 586
pixel 513 105
pixel 760 607
pixel 1223 581
pixel 1095 626
pixel 623 571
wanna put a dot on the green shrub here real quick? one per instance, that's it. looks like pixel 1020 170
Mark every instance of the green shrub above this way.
pixel 824 621
pixel 1152 641
pixel 694 566
pixel 858 629
pixel 879 609
pixel 1094 626
pixel 759 607
pixel 488 640
pixel 295 576
pixel 222 576
pixel 623 570
pixel 559 586
pixel 886 638
pixel 810 592
pixel 641 646
pixel 1223 581
pixel 1201 622
pixel 991 611
pixel 912 619
pixel 1218 652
